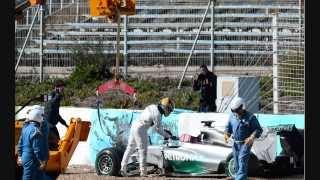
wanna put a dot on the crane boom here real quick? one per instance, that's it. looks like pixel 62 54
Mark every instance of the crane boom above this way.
pixel 109 8
pixel 24 5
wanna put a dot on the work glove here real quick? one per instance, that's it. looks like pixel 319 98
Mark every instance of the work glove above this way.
pixel 226 137
pixel 19 161
pixel 43 165
pixel 249 140
pixel 169 134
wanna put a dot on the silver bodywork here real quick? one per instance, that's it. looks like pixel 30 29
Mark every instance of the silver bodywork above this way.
pixel 205 156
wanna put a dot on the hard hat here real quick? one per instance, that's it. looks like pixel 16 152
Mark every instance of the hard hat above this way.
pixel 167 105
pixel 35 114
pixel 236 103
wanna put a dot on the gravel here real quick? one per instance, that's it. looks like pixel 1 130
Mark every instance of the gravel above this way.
pixel 82 172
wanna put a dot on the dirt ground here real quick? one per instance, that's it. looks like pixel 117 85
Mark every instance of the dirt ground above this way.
pixel 88 173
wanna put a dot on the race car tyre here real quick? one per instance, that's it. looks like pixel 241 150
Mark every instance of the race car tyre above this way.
pixel 253 165
pixel 108 162
pixel 230 168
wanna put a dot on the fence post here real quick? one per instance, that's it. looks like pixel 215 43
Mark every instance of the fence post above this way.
pixel 125 53
pixel 77 15
pixel 300 28
pixel 41 43
pixel 275 64
pixel 27 17
pixel 50 7
pixel 212 35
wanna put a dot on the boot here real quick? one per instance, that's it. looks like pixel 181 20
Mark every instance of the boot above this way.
pixel 143 172
pixel 123 171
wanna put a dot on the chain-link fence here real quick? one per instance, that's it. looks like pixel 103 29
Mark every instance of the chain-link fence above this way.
pixel 158 40
pixel 290 65
pixel 286 94
pixel 161 33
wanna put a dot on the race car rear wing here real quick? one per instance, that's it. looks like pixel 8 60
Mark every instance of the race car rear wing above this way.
pixel 291 140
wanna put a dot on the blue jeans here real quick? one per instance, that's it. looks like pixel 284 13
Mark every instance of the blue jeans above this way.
pixel 241 154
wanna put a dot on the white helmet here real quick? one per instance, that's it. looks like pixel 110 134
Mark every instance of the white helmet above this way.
pixel 237 102
pixel 35 114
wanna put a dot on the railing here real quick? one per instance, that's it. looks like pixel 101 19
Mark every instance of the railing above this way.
pixel 162 32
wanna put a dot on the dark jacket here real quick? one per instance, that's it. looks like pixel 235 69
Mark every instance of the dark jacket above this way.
pixel 207 84
pixel 51 109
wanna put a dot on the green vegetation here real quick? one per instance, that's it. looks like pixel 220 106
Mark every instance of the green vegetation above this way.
pixel 149 91
pixel 93 70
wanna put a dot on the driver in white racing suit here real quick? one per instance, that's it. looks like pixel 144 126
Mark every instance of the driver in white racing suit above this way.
pixel 138 137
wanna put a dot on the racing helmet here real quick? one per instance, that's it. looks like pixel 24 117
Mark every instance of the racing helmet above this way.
pixel 167 105
pixel 35 114
pixel 236 104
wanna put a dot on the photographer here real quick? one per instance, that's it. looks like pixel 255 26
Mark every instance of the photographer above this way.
pixel 206 82
pixel 51 113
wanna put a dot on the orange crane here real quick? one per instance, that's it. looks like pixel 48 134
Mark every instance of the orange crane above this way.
pixel 77 131
pixel 24 5
pixel 112 10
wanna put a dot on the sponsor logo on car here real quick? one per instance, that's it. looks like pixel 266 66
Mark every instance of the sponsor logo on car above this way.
pixel 181 157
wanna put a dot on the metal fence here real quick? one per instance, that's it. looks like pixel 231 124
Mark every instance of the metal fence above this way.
pixel 290 52
pixel 159 38
pixel 161 33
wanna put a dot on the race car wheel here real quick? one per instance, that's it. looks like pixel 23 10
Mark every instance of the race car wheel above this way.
pixel 107 162
pixel 253 165
pixel 230 167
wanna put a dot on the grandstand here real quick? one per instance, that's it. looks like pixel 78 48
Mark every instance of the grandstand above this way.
pixel 237 37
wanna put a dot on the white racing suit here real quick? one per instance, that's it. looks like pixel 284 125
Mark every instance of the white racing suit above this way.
pixel 138 137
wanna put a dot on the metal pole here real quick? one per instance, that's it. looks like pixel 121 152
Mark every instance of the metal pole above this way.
pixel 27 17
pixel 28 35
pixel 15 25
pixel 61 4
pixel 125 53
pixel 118 43
pixel 193 45
pixel 50 7
pixel 275 64
pixel 300 32
pixel 212 36
pixel 77 15
pixel 41 43
pixel 178 39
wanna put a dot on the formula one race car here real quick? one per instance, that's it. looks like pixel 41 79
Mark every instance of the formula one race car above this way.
pixel 208 154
